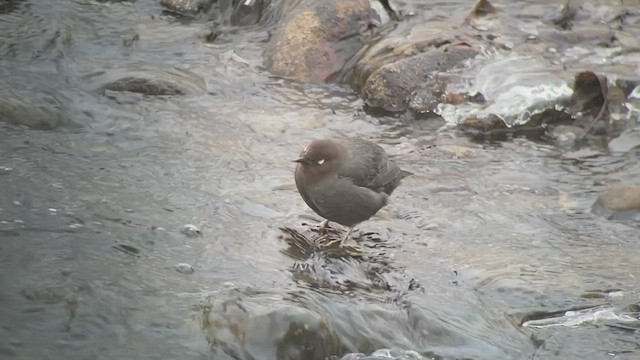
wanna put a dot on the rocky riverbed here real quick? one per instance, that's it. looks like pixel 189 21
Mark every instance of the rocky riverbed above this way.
pixel 147 204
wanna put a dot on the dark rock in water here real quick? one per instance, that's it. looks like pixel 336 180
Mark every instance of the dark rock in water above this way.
pixel 317 38
pixel 145 86
pixel 187 6
pixel 33 105
pixel 391 86
pixel 620 197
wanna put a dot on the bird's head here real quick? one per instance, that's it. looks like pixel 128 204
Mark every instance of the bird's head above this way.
pixel 320 156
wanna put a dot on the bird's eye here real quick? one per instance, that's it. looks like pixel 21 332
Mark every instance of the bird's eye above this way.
pixel 320 162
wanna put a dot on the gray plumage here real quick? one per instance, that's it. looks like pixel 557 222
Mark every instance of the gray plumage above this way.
pixel 346 180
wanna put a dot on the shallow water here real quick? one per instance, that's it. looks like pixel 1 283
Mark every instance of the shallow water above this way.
pixel 482 238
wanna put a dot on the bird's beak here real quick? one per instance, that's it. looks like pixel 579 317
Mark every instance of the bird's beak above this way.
pixel 300 160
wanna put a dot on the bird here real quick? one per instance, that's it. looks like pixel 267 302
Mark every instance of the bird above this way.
pixel 346 180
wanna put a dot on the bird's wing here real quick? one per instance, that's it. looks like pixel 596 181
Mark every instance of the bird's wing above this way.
pixel 373 169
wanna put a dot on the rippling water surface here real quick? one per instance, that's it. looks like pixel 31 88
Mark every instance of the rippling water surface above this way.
pixel 483 237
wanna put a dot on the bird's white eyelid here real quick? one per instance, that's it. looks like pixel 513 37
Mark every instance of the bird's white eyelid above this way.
pixel 320 162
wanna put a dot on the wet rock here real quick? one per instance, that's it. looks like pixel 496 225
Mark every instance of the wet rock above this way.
pixel 317 38
pixel 285 333
pixel 620 197
pixel 147 80
pixel 483 125
pixel 35 105
pixel 184 268
pixel 391 86
pixel 427 98
pixel 187 6
pixel 154 87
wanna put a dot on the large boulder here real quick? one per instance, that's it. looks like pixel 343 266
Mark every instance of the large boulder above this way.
pixel 316 39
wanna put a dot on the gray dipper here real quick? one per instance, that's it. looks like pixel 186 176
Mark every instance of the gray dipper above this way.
pixel 346 180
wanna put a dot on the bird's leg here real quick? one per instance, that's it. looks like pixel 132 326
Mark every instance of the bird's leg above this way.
pixel 346 236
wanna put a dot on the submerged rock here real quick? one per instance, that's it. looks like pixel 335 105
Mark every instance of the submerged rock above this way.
pixel 33 105
pixel 317 38
pixel 620 197
pixel 284 333
pixel 393 86
pixel 149 81
pixel 145 86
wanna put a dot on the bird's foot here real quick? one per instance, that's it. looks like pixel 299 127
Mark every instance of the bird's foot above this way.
pixel 345 237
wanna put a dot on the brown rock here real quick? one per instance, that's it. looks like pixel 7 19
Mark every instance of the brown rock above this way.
pixel 620 197
pixel 391 86
pixel 317 38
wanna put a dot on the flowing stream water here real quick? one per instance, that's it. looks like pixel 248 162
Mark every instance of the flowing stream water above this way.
pixel 481 239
